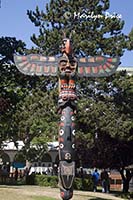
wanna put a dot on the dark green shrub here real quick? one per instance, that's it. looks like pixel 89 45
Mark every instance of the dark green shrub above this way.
pixel 77 184
pixel 52 181
pixel 83 184
pixel 30 180
pixel 87 184
pixel 45 180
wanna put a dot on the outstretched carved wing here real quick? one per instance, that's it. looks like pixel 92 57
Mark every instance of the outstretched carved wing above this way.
pixel 98 66
pixel 35 64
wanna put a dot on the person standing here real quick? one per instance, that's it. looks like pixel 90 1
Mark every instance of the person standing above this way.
pixel 95 177
pixel 16 174
pixel 105 181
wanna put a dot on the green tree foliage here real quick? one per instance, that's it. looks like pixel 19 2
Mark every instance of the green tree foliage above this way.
pixel 36 121
pixel 130 40
pixel 9 91
pixel 109 99
pixel 105 124
pixel 93 29
pixel 106 108
pixel 9 46
pixel 14 86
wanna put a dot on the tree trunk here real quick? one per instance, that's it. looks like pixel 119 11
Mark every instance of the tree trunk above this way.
pixel 125 186
pixel 126 177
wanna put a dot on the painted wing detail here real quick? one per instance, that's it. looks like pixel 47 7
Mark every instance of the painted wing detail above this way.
pixel 35 64
pixel 98 66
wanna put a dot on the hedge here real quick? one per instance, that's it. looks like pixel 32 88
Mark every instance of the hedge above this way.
pixel 52 181
pixel 45 180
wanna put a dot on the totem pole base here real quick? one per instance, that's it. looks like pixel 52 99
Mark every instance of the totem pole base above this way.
pixel 66 194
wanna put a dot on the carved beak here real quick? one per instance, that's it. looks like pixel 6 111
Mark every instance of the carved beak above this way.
pixel 66 47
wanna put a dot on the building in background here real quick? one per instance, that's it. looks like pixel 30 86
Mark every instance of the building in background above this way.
pixel 10 151
pixel 128 69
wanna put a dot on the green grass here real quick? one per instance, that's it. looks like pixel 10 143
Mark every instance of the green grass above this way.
pixel 91 198
pixel 97 198
pixel 43 198
pixel 49 198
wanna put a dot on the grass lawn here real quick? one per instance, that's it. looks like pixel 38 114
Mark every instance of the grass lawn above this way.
pixel 43 198
pixel 7 193
pixel 47 193
pixel 48 198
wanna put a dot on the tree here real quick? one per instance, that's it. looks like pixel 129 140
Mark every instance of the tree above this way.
pixel 105 125
pixel 38 121
pixel 93 31
pixel 9 46
pixel 130 41
pixel 14 86
pixel 9 91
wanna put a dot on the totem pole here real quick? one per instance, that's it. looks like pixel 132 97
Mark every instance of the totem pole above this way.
pixel 67 67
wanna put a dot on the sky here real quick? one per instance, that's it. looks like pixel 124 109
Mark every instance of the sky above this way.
pixel 14 21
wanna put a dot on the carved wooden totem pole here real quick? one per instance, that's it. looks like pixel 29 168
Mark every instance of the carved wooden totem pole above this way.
pixel 67 67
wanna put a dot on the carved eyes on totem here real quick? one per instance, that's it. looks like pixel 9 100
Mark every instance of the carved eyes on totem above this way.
pixel 67 65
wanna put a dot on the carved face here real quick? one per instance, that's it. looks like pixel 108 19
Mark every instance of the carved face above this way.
pixel 67 66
